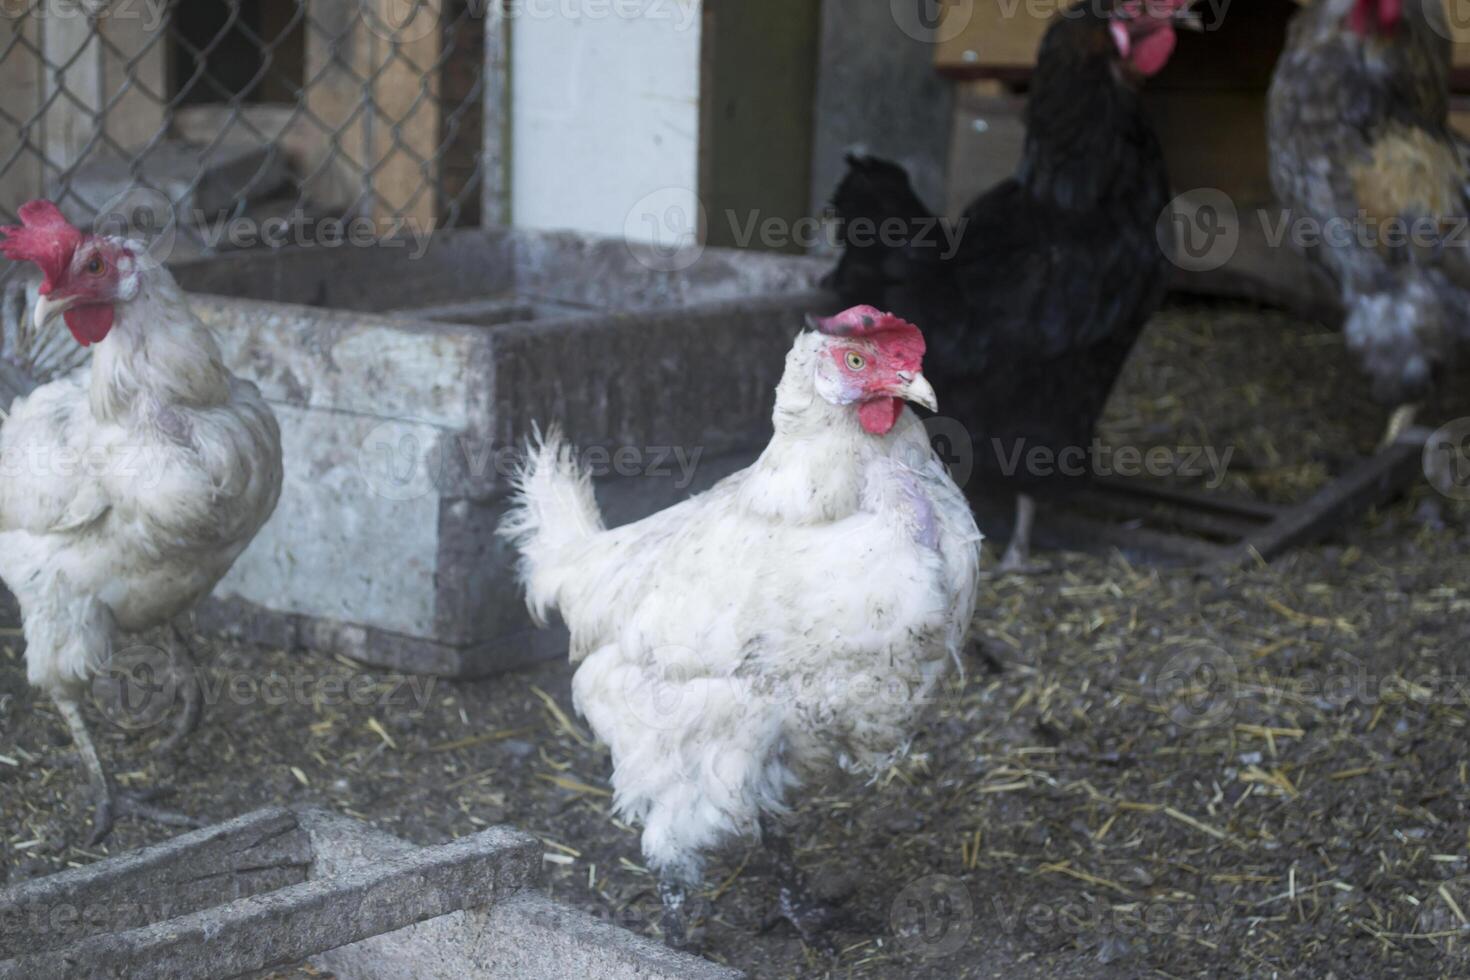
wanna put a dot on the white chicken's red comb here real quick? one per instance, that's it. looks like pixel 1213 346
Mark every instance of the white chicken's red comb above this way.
pixel 44 237
pixel 899 338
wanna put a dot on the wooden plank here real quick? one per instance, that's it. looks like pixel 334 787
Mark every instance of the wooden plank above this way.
pixel 407 127
pixel 1253 510
pixel 135 77
pixel 1371 482
pixel 20 98
pixel 338 59
pixel 72 86
pixel 495 182
pixel 999 39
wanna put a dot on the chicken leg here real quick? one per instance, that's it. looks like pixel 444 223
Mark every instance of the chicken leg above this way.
pixel 1017 557
pixel 186 669
pixel 795 903
pixel 1401 421
pixel 110 804
pixel 675 923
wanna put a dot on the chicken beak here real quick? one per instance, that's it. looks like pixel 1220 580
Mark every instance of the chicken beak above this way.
pixel 917 389
pixel 48 309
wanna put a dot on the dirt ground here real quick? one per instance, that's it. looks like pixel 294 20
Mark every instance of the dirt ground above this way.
pixel 1145 772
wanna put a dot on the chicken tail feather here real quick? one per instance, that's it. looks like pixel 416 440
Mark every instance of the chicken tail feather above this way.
pixel 552 509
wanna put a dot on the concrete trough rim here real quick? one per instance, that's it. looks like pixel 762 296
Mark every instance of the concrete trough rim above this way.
pixel 414 885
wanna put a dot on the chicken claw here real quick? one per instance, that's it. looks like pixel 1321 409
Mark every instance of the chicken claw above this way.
pixel 114 804
pixel 812 919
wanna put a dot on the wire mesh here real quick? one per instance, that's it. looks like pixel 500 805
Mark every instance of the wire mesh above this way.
pixel 223 124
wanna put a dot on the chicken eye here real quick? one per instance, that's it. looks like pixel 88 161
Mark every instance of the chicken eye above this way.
pixel 94 266
pixel 856 361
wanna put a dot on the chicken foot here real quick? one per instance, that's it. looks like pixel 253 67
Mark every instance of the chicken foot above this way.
pixel 1017 557
pixel 1401 421
pixel 110 803
pixel 811 918
pixel 189 691
pixel 675 922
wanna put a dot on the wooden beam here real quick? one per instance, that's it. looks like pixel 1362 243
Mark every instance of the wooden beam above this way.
pixel 338 59
pixel 135 74
pixel 407 127
pixel 495 183
pixel 72 85
pixel 20 98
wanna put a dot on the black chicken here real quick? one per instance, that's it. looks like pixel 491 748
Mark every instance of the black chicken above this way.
pixel 1031 316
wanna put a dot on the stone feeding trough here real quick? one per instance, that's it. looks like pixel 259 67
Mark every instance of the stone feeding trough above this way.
pixel 281 886
pixel 404 384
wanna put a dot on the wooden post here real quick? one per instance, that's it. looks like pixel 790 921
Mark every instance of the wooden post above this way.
pixel 72 86
pixel 406 128
pixel 20 97
pixel 495 175
pixel 338 57
pixel 137 117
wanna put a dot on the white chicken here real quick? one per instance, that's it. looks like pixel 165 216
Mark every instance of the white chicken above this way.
pixel 129 486
pixel 792 621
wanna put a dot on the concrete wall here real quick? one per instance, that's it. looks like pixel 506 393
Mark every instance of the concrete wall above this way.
pixel 605 113
pixel 878 91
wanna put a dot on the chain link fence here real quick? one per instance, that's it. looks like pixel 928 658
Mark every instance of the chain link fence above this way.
pixel 228 124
